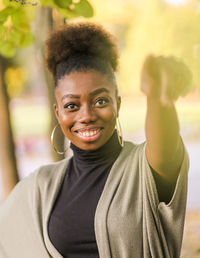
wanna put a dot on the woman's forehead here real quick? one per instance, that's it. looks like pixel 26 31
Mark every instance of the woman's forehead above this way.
pixel 82 82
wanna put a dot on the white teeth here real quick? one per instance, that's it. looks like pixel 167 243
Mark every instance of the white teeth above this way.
pixel 88 133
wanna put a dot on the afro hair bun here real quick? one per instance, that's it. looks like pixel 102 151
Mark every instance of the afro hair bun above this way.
pixel 80 38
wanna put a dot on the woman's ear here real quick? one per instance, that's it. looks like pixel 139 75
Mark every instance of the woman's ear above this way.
pixel 118 104
pixel 56 111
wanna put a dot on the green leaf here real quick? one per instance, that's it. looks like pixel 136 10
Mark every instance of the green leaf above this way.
pixel 63 3
pixel 1 29
pixel 20 20
pixel 84 8
pixel 30 12
pixel 26 40
pixel 3 32
pixel 7 48
pixel 5 13
pixel 67 13
pixel 14 36
pixel 11 3
pixel 47 3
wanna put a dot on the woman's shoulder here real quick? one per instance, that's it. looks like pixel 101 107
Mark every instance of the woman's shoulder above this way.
pixel 49 170
pixel 48 173
pixel 36 185
pixel 41 178
pixel 131 153
pixel 131 147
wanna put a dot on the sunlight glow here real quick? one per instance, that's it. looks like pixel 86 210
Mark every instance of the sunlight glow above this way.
pixel 176 2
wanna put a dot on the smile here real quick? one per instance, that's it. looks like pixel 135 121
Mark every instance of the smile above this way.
pixel 89 134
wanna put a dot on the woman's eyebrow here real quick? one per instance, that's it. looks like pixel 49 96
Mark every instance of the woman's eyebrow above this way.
pixel 98 91
pixel 93 93
pixel 70 96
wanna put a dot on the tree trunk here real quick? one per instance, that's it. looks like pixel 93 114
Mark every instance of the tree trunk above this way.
pixel 45 17
pixel 8 164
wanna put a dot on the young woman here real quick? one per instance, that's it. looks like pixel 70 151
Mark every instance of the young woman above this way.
pixel 111 198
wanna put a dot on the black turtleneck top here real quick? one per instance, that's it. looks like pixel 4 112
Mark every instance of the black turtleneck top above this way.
pixel 71 223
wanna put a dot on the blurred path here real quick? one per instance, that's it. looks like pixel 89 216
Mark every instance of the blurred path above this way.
pixel 193 201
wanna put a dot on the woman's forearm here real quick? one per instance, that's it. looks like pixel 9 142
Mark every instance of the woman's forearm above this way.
pixel 164 148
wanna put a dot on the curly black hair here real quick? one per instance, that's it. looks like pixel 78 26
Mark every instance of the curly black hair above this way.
pixel 80 47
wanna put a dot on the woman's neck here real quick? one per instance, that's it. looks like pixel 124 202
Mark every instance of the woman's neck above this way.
pixel 110 149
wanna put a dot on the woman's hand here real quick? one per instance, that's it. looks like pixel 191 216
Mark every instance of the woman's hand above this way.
pixel 165 78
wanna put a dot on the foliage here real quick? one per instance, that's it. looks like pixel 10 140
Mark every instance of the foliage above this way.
pixel 15 79
pixel 17 15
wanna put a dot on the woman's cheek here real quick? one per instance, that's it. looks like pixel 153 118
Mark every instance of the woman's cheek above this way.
pixel 66 121
pixel 109 114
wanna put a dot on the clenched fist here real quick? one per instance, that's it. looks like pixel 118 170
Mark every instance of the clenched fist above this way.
pixel 165 78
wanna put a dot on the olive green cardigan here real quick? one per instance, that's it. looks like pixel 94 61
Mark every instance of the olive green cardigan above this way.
pixel 129 220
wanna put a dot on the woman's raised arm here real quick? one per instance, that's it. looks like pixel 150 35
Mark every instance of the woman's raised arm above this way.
pixel 163 80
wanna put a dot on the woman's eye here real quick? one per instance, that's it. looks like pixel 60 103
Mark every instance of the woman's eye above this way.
pixel 70 106
pixel 101 102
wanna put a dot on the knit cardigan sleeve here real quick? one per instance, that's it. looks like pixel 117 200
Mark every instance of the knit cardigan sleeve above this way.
pixel 17 222
pixel 169 216
pixel 130 221
pixel 24 215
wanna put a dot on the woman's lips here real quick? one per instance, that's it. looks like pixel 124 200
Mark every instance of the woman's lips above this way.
pixel 89 134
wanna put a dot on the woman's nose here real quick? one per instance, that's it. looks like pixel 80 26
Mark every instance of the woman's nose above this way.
pixel 87 114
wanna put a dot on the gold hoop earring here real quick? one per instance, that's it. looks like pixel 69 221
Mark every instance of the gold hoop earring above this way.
pixel 52 142
pixel 119 132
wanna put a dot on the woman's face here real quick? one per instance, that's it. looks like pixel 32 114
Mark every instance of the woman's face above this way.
pixel 87 108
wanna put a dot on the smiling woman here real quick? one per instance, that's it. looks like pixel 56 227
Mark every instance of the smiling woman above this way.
pixel 87 112
pixel 87 100
pixel 109 191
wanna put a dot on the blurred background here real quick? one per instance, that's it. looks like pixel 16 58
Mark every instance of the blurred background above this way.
pixel 161 27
